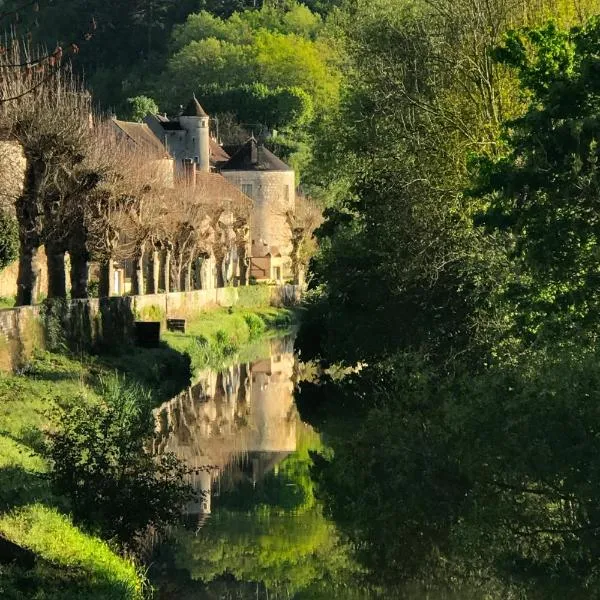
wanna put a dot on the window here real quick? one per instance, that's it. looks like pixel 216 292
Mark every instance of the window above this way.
pixel 286 193
pixel 247 189
pixel 277 273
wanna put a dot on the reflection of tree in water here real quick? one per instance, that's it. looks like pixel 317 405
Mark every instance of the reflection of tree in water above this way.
pixel 275 558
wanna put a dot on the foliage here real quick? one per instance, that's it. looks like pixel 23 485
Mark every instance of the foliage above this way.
pixel 9 239
pixel 100 463
pixel 71 564
pixel 248 48
pixel 140 107
pixel 259 104
pixel 542 191
pixel 458 445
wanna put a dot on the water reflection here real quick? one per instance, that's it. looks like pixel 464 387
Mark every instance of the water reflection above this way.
pixel 232 427
pixel 266 538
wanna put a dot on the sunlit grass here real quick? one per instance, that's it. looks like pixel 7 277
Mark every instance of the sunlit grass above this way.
pixel 213 339
pixel 94 568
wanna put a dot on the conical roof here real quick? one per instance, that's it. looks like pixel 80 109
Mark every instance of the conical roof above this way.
pixel 253 156
pixel 193 109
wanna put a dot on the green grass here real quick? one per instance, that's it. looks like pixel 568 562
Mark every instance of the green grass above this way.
pixel 6 302
pixel 70 562
pixel 215 338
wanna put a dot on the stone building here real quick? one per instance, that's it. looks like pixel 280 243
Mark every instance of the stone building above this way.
pixel 252 168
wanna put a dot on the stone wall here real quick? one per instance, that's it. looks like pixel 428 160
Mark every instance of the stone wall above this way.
pixel 106 322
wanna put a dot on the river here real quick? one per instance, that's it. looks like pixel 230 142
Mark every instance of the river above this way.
pixel 256 530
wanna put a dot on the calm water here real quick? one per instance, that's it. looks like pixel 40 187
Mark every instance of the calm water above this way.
pixel 257 531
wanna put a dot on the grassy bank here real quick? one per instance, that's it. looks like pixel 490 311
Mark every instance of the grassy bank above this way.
pixel 215 338
pixel 70 562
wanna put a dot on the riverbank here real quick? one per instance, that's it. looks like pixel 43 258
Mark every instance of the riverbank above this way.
pixel 71 563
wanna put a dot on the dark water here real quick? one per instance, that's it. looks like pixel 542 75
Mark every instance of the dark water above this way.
pixel 257 530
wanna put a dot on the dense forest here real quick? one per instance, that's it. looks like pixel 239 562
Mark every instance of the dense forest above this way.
pixel 453 307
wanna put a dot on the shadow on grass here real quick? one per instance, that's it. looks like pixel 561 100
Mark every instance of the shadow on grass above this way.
pixel 19 487
pixel 162 370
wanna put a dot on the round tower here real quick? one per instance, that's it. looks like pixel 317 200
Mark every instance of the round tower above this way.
pixel 195 122
pixel 270 183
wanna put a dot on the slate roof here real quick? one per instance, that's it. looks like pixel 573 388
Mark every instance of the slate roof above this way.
pixel 253 156
pixel 193 109
pixel 141 135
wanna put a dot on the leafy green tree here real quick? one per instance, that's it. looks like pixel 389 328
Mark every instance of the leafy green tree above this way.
pixel 463 458
pixel 9 239
pixel 271 46
pixel 100 462
pixel 141 106
pixel 543 191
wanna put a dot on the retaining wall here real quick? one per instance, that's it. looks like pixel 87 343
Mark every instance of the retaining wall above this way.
pixel 106 322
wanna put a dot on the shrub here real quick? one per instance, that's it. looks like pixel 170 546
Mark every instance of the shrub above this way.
pixel 101 463
pixel 9 239
pixel 256 325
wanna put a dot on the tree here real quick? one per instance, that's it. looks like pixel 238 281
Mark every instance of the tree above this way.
pixel 542 192
pixel 141 106
pixel 303 221
pixel 51 126
pixel 101 464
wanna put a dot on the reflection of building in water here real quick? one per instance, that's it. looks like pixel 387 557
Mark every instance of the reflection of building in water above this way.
pixel 240 421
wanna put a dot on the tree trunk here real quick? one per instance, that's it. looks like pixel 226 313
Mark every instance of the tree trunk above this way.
pixel 154 272
pixel 107 276
pixel 29 275
pixel 187 286
pixel 137 283
pixel 29 217
pixel 167 270
pixel 243 265
pixel 79 274
pixel 176 275
pixel 57 281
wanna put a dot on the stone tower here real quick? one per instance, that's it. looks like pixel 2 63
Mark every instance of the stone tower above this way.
pixel 270 183
pixel 197 139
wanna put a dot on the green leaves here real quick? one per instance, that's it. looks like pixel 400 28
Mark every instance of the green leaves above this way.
pixel 9 239
pixel 545 190
pixel 101 462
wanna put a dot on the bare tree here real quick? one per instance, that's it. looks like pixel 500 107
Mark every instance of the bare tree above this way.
pixel 302 222
pixel 52 125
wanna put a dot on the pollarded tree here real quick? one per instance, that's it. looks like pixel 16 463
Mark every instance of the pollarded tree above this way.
pixel 51 123
pixel 303 221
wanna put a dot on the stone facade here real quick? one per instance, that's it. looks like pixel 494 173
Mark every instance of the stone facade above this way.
pixel 273 194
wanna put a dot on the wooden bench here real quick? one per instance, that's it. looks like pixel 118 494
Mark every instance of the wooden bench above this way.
pixel 176 325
